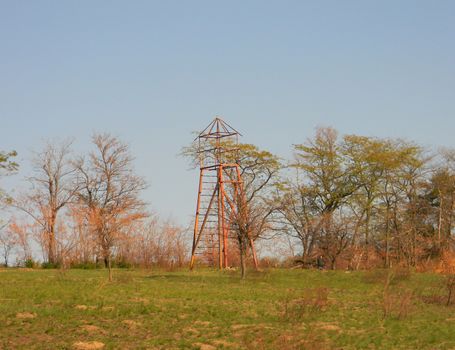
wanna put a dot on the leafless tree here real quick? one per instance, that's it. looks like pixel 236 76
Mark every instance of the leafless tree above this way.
pixel 109 192
pixel 20 233
pixel 53 187
pixel 7 242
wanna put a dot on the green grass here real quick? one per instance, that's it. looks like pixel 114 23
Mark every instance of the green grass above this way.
pixel 205 309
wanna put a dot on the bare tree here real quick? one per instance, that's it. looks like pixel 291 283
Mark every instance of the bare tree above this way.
pixel 153 242
pixel 299 217
pixel 53 187
pixel 21 235
pixel 109 191
pixel 7 242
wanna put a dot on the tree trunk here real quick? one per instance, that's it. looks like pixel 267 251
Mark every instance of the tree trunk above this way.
pixel 304 253
pixel 367 235
pixel 387 238
pixel 242 249
pixel 109 268
pixel 51 245
pixel 243 264
pixel 51 239
pixel 440 221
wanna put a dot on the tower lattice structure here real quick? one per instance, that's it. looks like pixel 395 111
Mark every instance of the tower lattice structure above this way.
pixel 221 190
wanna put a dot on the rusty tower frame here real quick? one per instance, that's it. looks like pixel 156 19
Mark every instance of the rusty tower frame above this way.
pixel 220 189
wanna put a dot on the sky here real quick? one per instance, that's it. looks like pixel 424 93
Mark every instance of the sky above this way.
pixel 153 72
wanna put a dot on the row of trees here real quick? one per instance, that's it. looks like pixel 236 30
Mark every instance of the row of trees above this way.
pixel 79 205
pixel 357 201
pixel 364 201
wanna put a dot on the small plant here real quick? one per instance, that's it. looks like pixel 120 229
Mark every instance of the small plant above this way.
pixel 85 266
pixel 313 301
pixel 49 265
pixel 122 264
pixel 445 294
pixel 450 286
pixel 30 263
pixel 396 302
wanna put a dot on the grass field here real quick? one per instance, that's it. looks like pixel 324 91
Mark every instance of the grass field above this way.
pixel 205 309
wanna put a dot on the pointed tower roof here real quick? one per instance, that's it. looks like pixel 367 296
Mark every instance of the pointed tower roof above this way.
pixel 218 128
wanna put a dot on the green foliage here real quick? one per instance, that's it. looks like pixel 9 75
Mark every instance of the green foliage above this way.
pixel 85 266
pixel 49 265
pixel 30 263
pixel 6 164
pixel 122 264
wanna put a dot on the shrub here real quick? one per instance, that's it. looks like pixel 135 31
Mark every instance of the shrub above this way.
pixel 268 262
pixel 450 286
pixel 30 263
pixel 49 265
pixel 85 265
pixel 122 264
pixel 396 302
pixel 445 294
pixel 312 301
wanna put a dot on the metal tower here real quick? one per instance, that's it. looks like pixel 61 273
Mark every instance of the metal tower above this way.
pixel 220 191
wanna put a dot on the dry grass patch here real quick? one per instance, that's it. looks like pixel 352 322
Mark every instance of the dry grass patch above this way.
pixel 328 326
pixel 107 308
pixel 91 345
pixel 91 328
pixel 84 307
pixel 25 315
pixel 225 344
pixel 203 346
pixel 190 331
pixel 131 323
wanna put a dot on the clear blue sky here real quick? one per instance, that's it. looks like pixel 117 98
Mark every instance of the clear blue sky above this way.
pixel 152 72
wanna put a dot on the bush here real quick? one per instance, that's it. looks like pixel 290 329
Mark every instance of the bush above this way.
pixel 268 262
pixel 443 294
pixel 311 302
pixel 85 266
pixel 49 265
pixel 30 263
pixel 122 264
pixel 396 302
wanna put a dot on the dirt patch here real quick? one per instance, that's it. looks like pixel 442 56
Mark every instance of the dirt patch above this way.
pixel 328 326
pixel 205 346
pixel 225 344
pixel 84 307
pixel 236 327
pixel 131 323
pixel 190 331
pixel 107 308
pixel 202 323
pixel 25 315
pixel 90 345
